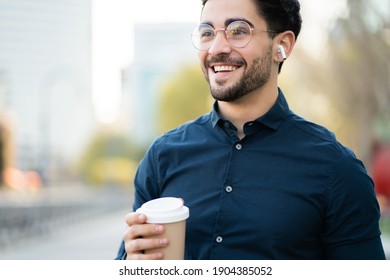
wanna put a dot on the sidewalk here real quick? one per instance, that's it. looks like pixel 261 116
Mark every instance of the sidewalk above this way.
pixel 96 239
pixel 386 245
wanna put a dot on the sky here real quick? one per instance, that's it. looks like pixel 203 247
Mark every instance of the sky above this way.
pixel 112 43
pixel 112 38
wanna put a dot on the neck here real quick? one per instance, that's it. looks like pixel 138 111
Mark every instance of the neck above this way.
pixel 249 107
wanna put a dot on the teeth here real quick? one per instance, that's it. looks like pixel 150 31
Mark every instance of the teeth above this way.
pixel 219 68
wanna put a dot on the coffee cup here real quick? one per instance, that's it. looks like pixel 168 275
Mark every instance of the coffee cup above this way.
pixel 172 213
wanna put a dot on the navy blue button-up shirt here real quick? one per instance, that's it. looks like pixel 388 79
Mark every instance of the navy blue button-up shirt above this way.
pixel 287 190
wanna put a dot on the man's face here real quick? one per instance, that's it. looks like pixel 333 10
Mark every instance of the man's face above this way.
pixel 235 72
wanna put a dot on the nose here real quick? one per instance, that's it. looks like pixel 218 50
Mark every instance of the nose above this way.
pixel 220 43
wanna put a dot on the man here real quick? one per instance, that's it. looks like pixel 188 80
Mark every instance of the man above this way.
pixel 260 182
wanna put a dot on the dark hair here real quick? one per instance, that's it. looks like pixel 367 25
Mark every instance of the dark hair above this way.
pixel 280 16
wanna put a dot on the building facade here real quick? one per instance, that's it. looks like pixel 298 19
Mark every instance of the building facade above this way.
pixel 160 49
pixel 45 74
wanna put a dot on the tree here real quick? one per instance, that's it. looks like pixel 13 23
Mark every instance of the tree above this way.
pixel 184 97
pixel 353 76
pixel 110 158
pixel 359 52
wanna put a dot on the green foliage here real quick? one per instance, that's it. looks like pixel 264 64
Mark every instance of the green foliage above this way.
pixel 184 97
pixel 384 224
pixel 110 170
pixel 109 159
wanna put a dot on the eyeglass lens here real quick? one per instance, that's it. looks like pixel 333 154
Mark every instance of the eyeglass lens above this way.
pixel 238 33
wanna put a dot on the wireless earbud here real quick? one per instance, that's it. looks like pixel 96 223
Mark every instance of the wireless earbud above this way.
pixel 282 51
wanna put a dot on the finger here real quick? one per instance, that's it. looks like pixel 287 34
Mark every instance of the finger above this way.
pixel 143 230
pixel 138 246
pixel 135 218
pixel 154 256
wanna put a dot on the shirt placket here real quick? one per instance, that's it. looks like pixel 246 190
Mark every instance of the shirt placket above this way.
pixel 220 239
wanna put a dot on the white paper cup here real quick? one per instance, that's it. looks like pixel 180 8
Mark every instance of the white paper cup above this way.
pixel 171 212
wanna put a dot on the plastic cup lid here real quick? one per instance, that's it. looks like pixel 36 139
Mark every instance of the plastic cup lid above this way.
pixel 164 210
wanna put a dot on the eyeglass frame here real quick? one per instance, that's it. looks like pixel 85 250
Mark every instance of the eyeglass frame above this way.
pixel 215 30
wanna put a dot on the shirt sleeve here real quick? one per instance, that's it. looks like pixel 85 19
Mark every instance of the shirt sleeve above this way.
pixel 351 229
pixel 146 182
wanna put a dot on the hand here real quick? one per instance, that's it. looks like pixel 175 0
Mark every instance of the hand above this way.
pixel 138 235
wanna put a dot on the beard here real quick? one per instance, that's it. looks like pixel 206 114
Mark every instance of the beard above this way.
pixel 253 78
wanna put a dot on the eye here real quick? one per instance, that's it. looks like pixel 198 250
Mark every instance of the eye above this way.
pixel 237 31
pixel 238 28
pixel 207 33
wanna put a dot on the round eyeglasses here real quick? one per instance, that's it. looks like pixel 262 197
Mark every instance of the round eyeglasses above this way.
pixel 238 33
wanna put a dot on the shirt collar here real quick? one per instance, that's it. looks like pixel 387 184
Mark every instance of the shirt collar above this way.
pixel 215 116
pixel 272 119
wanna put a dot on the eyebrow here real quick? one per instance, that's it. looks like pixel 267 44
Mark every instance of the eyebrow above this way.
pixel 230 20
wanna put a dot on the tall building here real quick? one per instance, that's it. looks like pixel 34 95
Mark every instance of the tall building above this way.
pixel 45 75
pixel 160 49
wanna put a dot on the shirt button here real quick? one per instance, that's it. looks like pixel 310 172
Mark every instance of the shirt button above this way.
pixel 219 239
pixel 238 146
pixel 229 189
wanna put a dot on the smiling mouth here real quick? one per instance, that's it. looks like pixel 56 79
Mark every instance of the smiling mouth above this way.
pixel 224 68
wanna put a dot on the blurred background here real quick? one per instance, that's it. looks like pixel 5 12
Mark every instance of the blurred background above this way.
pixel 86 85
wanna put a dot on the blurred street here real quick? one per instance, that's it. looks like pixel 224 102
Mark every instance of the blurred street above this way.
pixel 94 233
pixel 386 245
pixel 97 239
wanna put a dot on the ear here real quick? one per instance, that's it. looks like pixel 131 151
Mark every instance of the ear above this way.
pixel 287 41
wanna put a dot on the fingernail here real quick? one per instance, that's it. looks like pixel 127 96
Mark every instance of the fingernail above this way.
pixel 159 228
pixel 163 242
pixel 159 255
pixel 141 218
